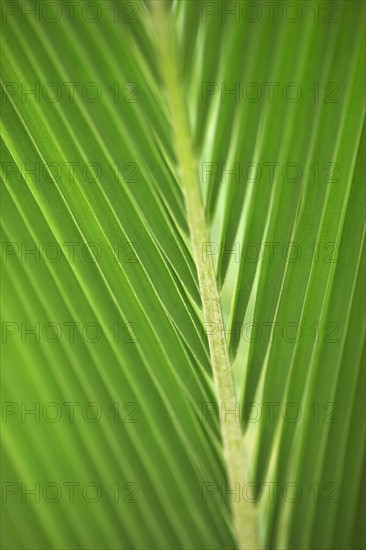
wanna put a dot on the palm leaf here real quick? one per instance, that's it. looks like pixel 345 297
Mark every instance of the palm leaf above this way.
pixel 162 174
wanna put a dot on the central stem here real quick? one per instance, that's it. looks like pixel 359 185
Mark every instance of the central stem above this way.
pixel 243 511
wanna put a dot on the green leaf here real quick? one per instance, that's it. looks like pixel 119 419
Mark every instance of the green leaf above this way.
pixel 183 270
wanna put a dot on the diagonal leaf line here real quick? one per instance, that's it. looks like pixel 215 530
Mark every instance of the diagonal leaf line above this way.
pixel 89 392
pixel 172 415
pixel 243 512
pixel 105 151
pixel 120 311
pixel 327 293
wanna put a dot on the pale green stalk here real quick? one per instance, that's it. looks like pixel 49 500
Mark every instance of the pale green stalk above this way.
pixel 243 511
